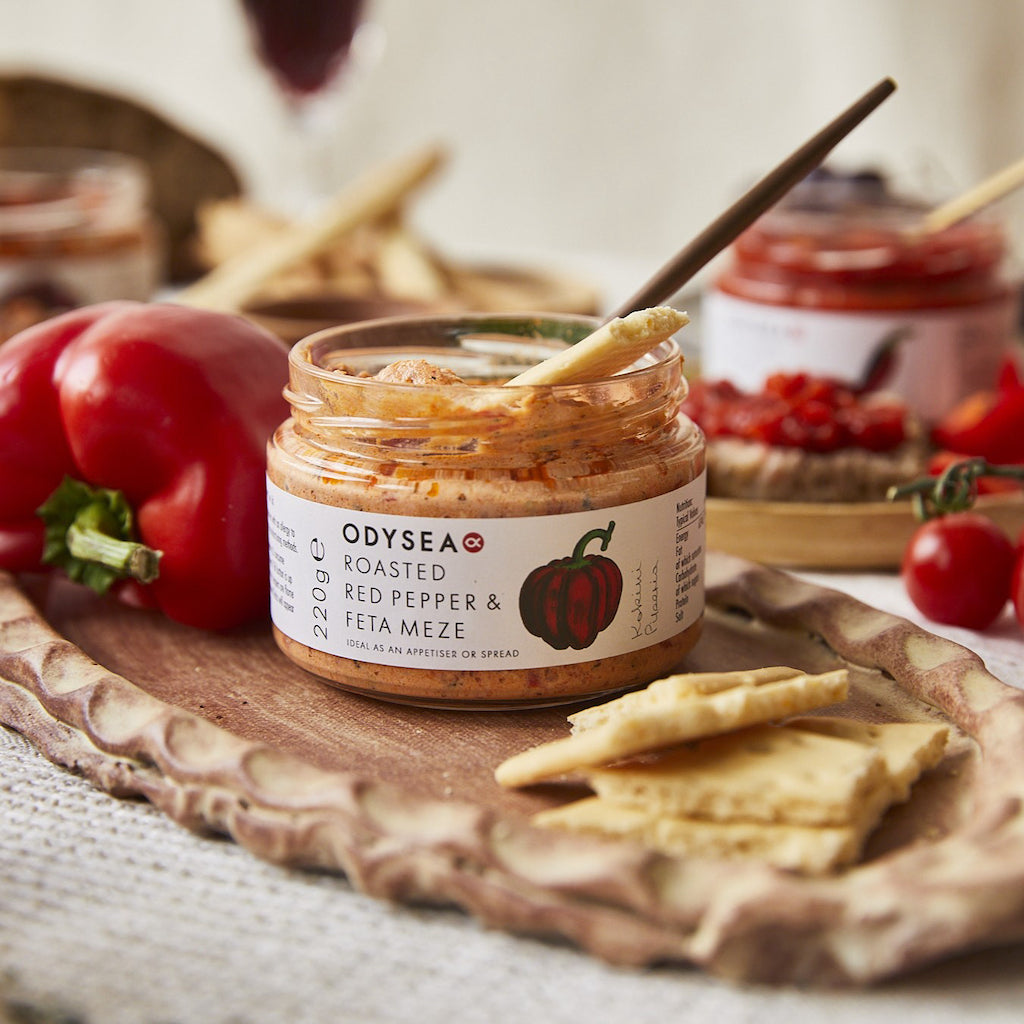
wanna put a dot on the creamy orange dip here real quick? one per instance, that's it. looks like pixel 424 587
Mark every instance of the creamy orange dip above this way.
pixel 434 502
pixel 416 371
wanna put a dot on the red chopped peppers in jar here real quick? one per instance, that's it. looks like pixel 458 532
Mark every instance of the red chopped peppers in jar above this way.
pixel 795 410
pixel 439 539
pixel 840 276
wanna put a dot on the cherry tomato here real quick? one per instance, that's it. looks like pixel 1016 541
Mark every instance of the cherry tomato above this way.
pixel 957 570
pixel 1017 581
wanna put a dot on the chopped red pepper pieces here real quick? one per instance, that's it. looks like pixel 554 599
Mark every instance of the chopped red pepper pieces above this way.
pixel 169 407
pixel 798 410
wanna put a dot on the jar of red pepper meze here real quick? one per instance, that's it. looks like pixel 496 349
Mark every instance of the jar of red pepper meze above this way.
pixel 840 281
pixel 439 539
pixel 75 229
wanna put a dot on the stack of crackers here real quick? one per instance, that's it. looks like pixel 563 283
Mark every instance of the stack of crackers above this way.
pixel 720 765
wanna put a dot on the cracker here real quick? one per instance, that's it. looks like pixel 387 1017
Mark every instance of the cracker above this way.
pixel 672 713
pixel 908 748
pixel 761 774
pixel 670 690
pixel 612 347
pixel 657 804
pixel 805 848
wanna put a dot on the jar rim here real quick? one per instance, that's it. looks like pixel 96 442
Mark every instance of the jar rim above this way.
pixel 871 241
pixel 54 188
pixel 450 333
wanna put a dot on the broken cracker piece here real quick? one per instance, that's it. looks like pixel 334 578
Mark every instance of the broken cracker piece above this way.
pixel 804 848
pixel 647 725
pixel 905 750
pixel 908 748
pixel 764 773
pixel 671 689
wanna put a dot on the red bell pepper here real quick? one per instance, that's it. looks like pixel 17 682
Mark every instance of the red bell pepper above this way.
pixel 570 600
pixel 168 407
pixel 989 424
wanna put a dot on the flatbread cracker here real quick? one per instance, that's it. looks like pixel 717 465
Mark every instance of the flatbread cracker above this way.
pixel 656 722
pixel 908 748
pixel 669 691
pixel 764 773
pixel 804 848
pixel 904 750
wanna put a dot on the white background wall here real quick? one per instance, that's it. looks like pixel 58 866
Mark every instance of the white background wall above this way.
pixel 601 129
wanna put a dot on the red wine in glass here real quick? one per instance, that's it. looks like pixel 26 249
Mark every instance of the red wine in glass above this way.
pixel 304 43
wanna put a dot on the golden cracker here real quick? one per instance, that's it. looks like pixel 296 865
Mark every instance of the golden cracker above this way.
pixel 808 849
pixel 763 773
pixel 670 690
pixel 908 749
pixel 649 726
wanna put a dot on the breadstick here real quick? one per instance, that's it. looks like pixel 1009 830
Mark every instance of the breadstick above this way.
pixel 612 347
pixel 228 287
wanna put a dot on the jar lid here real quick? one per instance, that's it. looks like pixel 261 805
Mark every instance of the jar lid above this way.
pixel 854 226
pixel 69 191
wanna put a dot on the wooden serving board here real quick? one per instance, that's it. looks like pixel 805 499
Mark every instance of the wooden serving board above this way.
pixel 226 736
pixel 854 535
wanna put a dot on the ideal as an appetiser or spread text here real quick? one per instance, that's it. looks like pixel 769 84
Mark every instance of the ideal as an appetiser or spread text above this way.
pixel 454 544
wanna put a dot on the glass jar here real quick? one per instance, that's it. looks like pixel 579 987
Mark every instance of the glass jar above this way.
pixel 75 228
pixel 839 281
pixel 478 546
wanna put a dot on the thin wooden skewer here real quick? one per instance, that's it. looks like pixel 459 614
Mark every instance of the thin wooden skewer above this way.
pixel 635 328
pixel 977 198
pixel 769 190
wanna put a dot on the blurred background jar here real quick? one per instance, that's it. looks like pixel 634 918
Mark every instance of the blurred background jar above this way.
pixel 839 280
pixel 75 228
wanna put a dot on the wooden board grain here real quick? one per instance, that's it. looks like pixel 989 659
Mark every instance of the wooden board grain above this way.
pixel 841 535
pixel 225 735
pixel 242 682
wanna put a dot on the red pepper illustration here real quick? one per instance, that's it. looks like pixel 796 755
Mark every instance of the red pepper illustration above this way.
pixel 570 600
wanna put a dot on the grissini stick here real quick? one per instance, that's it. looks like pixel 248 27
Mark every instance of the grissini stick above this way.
pixel 612 347
pixel 370 197
pixel 974 199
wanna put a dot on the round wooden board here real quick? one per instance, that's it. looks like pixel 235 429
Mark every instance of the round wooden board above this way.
pixel 477 287
pixel 225 735
pixel 804 535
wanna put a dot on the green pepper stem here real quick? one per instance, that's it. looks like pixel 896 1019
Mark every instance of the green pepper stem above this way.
pixel 954 490
pixel 126 557
pixel 89 533
pixel 579 552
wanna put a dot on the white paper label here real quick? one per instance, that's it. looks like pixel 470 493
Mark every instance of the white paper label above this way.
pixel 941 356
pixel 445 593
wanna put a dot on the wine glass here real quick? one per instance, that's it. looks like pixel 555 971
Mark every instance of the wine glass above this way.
pixel 315 50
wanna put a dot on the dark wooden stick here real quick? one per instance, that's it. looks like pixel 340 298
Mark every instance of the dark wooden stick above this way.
pixel 768 191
